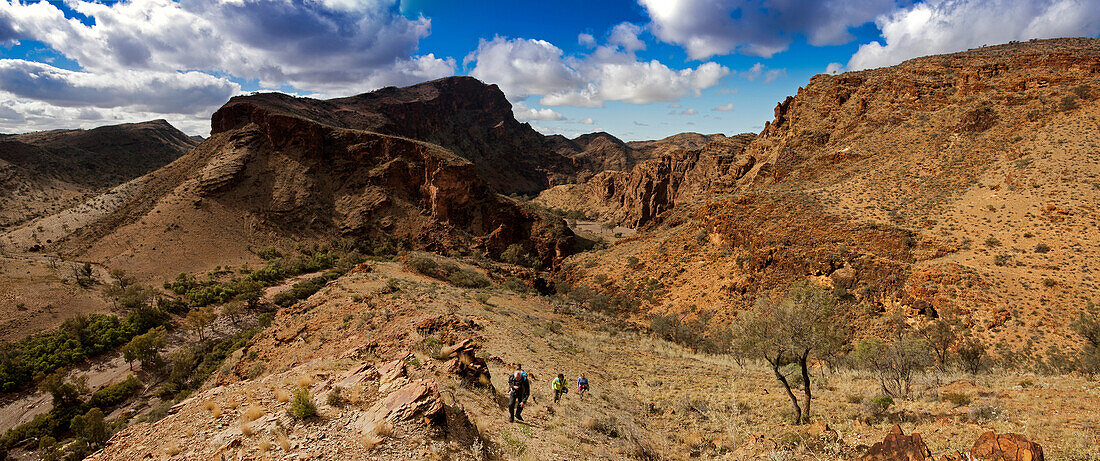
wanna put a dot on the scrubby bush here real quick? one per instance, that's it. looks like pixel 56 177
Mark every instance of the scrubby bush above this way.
pixel 516 254
pixel 115 394
pixel 957 399
pixel 302 406
pixel 972 355
pixel 336 397
pixel 877 408
pixel 1087 325
pixel 448 271
pixel 1042 248
pixel 894 362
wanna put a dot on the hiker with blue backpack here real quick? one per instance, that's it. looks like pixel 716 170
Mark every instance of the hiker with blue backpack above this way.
pixel 519 388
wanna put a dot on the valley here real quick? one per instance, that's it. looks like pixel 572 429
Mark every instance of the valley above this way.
pixel 356 278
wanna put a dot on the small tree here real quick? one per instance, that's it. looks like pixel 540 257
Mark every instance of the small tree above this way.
pixel 941 336
pixel 200 318
pixel 788 332
pixel 897 361
pixel 233 310
pixel 145 348
pixel 972 355
pixel 250 292
pixel 90 428
pixel 1087 324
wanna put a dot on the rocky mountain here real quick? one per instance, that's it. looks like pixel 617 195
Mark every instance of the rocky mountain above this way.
pixel 279 168
pixel 45 172
pixel 681 169
pixel 962 184
pixel 461 114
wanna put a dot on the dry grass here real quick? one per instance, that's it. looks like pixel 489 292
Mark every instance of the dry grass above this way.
pixel 252 413
pixel 172 450
pixel 264 445
pixel 213 408
pixel 282 439
pixel 282 395
pixel 246 429
pixel 305 381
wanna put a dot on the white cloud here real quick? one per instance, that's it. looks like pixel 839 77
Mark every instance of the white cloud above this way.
pixel 625 36
pixel 688 112
pixel 587 121
pixel 524 67
pixel 723 108
pixel 706 28
pixel 834 68
pixel 333 47
pixel 162 92
pixel 759 69
pixel 944 26
pixel 524 113
pixel 587 40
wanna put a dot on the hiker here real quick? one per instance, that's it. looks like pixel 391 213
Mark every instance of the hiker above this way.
pixel 559 387
pixel 582 386
pixel 519 388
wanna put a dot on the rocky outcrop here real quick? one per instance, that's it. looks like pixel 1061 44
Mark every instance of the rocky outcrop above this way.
pixel 989 447
pixel 898 447
pixel 641 195
pixel 1005 447
pixel 469 118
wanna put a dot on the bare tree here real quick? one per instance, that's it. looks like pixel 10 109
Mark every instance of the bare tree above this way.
pixel 789 332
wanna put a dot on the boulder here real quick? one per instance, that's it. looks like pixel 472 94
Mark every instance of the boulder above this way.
pixel 898 447
pixel 1005 447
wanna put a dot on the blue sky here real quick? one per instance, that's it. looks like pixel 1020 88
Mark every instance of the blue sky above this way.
pixel 639 69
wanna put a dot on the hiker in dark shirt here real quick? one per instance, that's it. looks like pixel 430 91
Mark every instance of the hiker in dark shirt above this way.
pixel 519 388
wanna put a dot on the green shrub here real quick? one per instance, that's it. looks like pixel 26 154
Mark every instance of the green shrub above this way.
pixel 115 394
pixel 467 278
pixel 1042 248
pixel 877 408
pixel 336 397
pixel 77 339
pixel 992 242
pixel 516 254
pixel 302 406
pixel 957 399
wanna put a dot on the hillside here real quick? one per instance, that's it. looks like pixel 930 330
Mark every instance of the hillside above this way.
pixel 961 184
pixel 421 367
pixel 45 172
pixel 278 170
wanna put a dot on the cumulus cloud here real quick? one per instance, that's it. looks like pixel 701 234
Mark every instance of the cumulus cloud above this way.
pixel 759 69
pixel 723 108
pixel 332 47
pixel 834 68
pixel 688 112
pixel 525 67
pixel 706 28
pixel 587 121
pixel 162 92
pixel 524 113
pixel 944 26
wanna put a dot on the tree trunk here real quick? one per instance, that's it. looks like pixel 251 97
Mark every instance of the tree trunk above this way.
pixel 786 385
pixel 805 384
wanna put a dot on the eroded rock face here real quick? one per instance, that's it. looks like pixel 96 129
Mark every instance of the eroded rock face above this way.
pixel 1005 447
pixel 354 166
pixel 898 447
pixel 639 196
